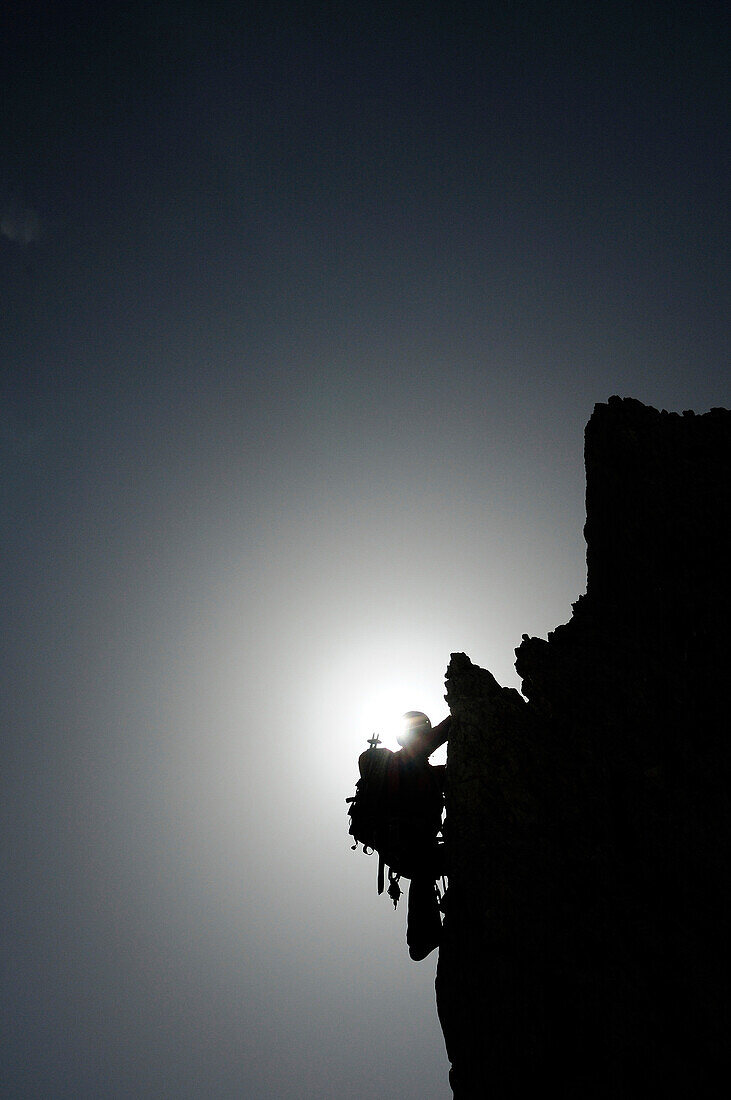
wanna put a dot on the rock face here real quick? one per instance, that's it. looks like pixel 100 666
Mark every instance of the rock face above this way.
pixel 585 939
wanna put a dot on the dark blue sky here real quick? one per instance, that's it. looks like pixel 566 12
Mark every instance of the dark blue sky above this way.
pixel 303 311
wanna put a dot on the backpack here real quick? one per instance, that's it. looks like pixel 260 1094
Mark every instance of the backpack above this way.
pixel 396 815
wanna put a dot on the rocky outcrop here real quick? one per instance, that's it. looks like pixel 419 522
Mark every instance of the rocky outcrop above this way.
pixel 585 939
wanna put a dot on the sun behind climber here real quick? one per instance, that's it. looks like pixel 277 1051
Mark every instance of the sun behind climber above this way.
pixel 397 810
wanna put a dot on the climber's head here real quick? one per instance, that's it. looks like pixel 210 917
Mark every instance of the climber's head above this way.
pixel 414 724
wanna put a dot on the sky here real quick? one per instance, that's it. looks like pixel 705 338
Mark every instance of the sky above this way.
pixel 303 310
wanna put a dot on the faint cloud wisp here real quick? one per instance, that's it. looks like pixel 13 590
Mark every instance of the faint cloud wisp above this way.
pixel 21 224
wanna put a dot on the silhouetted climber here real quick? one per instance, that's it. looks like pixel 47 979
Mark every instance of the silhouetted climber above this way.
pixel 397 810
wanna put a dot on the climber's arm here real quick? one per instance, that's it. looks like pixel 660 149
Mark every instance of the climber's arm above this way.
pixel 436 736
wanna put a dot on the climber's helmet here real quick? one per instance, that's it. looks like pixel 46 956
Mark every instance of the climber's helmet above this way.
pixel 414 724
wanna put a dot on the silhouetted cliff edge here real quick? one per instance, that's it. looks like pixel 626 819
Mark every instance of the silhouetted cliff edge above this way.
pixel 586 936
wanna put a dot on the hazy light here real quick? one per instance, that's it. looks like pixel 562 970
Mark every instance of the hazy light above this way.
pixel 381 711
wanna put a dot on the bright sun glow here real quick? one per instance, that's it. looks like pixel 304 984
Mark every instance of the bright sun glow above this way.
pixel 382 715
pixel 368 687
pixel 381 708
